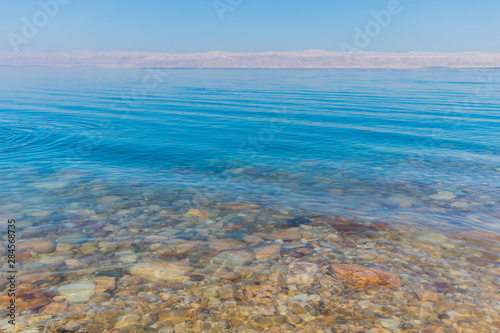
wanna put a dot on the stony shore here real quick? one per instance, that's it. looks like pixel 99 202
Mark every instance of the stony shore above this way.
pixel 241 267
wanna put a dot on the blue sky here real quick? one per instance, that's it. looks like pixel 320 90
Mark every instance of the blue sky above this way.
pixel 252 25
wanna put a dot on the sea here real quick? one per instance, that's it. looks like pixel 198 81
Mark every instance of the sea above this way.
pixel 189 200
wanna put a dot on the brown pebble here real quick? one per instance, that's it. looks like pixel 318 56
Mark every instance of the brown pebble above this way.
pixel 284 235
pixel 305 251
pixel 427 295
pixel 436 255
pixel 350 243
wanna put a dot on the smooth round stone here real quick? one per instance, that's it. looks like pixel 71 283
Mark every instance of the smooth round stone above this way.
pixel 267 252
pixel 363 277
pixel 389 323
pixel 191 246
pixel 161 271
pixel 128 257
pixel 168 233
pixel 238 258
pixel 202 231
pixel 226 293
pixel 284 235
pixel 250 239
pixel 79 292
pixel 36 245
pixel 302 273
pixel 226 244
pixel 73 238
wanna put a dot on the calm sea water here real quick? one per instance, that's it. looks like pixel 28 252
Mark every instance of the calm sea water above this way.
pixel 345 142
pixel 102 163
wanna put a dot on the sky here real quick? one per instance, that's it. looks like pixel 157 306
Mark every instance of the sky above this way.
pixel 190 26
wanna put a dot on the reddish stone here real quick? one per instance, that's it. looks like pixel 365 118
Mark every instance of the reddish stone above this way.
pixel 359 277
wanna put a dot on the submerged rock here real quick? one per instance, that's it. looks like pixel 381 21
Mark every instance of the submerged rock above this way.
pixel 284 235
pixel 258 294
pixel 105 283
pixel 197 212
pixel 226 244
pixel 267 252
pixel 235 258
pixel 36 245
pixel 302 273
pixel 161 271
pixel 79 292
pixel 73 238
pixel 359 277
pixel 190 246
pixel 251 239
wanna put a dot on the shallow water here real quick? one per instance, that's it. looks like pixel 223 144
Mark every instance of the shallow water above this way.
pixel 151 195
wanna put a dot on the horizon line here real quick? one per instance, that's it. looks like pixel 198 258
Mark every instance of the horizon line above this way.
pixel 311 59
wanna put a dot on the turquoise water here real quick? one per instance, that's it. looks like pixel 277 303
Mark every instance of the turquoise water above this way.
pixel 108 155
pixel 306 134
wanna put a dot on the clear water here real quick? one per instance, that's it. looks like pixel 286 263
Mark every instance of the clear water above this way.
pixel 118 147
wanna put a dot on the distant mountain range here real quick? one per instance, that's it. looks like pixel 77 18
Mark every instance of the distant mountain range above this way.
pixel 218 59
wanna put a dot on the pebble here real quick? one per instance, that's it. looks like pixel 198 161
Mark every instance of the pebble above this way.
pixel 234 258
pixel 161 271
pixel 426 295
pixel 389 323
pixel 250 239
pixel 302 273
pixel 284 235
pixel 79 292
pixel 175 316
pixel 197 212
pixel 191 246
pixel 36 245
pixel 189 273
pixel 104 283
pixel 363 277
pixel 268 252
pixel 73 238
pixel 226 244
pixel 226 293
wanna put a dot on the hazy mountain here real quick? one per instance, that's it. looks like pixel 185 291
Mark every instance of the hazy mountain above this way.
pixel 218 59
